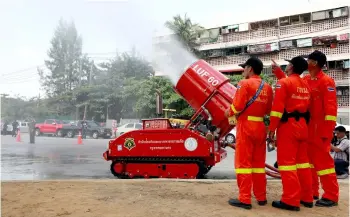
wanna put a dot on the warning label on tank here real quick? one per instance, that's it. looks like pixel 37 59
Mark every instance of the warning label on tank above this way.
pixel 160 141
pixel 160 148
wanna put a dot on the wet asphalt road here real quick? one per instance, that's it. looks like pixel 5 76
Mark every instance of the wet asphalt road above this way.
pixel 63 158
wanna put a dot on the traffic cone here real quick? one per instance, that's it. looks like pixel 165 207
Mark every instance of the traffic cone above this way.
pixel 18 137
pixel 80 140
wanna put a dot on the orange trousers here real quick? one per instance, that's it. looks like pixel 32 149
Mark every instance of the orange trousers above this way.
pixel 250 157
pixel 293 162
pixel 323 168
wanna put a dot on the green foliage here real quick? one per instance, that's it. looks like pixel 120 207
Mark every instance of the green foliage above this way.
pixel 234 79
pixel 187 32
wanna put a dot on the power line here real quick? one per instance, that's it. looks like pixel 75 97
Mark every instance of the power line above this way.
pixel 23 70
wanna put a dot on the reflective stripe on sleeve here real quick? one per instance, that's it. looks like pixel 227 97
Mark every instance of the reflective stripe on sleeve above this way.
pixel 330 118
pixel 276 114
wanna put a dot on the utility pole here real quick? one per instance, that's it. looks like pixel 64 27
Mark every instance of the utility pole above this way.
pixel 38 102
pixel 90 82
pixel 79 84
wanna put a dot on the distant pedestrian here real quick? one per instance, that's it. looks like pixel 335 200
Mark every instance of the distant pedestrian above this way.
pixel 14 128
pixel 341 156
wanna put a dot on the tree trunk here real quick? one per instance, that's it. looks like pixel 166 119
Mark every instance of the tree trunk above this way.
pixel 85 110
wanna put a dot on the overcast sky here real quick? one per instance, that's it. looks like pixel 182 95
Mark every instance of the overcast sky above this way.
pixel 108 26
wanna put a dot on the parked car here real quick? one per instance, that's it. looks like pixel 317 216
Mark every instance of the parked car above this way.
pixel 128 127
pixel 53 127
pixel 24 127
pixel 94 130
pixel 8 129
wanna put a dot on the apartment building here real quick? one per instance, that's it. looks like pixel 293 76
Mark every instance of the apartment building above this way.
pixel 284 38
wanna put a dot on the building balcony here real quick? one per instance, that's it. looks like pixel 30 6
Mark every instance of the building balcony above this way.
pixel 273 34
pixel 341 77
pixel 343 101
pixel 337 53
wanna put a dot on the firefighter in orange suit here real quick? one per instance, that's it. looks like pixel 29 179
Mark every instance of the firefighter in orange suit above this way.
pixel 323 110
pixel 290 116
pixel 250 152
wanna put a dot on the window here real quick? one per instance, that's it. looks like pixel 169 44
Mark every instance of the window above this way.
pixel 319 15
pixel 287 44
pixel 50 121
pixel 235 50
pixel 294 19
pixel 304 42
pixel 284 21
pixel 138 126
pixel 92 124
pixel 329 14
pixel 264 24
pixel 344 11
pixel 305 18
pixel 335 64
pixel 215 53
pixel 129 126
pixel 62 122
pixel 342 91
pixel 23 124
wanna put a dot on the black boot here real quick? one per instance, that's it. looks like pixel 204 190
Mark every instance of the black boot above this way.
pixel 316 198
pixel 325 203
pixel 262 203
pixel 307 204
pixel 281 205
pixel 237 203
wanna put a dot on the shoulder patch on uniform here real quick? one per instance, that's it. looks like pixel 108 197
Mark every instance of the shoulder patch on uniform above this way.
pixel 330 89
pixel 278 85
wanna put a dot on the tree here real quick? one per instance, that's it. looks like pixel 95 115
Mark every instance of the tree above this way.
pixel 186 31
pixel 65 57
pixel 19 108
pixel 117 86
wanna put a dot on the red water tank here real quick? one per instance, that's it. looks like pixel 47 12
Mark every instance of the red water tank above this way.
pixel 201 85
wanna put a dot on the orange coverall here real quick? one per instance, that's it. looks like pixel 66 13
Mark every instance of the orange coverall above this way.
pixel 323 109
pixel 250 152
pixel 292 94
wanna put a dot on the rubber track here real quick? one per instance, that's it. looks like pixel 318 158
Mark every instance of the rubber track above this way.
pixel 202 168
